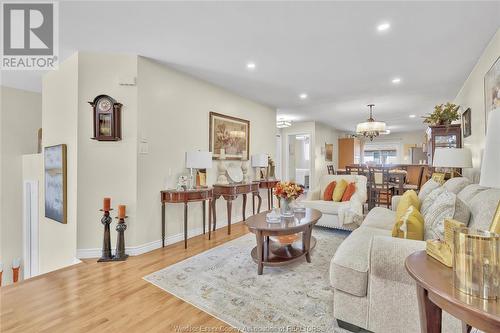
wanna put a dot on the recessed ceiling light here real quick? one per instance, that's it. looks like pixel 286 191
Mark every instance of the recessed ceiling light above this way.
pixel 396 80
pixel 413 116
pixel 251 66
pixel 383 26
pixel 303 96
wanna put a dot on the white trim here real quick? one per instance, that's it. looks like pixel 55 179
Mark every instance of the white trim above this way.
pixel 150 246
pixel 30 229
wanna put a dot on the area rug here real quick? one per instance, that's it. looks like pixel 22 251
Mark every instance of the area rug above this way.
pixel 223 282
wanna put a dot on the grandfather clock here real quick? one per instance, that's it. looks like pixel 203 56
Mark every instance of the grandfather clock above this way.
pixel 107 118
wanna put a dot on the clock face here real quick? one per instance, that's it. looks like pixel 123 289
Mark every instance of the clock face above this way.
pixel 104 105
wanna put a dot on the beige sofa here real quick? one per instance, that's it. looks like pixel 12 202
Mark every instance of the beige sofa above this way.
pixel 372 289
pixel 346 215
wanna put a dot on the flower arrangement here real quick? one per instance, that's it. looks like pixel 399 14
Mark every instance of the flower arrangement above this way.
pixel 288 190
pixel 444 114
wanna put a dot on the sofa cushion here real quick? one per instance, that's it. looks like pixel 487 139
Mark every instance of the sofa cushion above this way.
pixel 469 192
pixel 381 218
pixel 328 194
pixel 430 199
pixel 326 207
pixel 446 206
pixel 350 264
pixel 457 184
pixel 427 188
pixel 483 207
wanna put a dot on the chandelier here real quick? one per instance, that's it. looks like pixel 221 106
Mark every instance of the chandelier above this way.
pixel 283 123
pixel 371 128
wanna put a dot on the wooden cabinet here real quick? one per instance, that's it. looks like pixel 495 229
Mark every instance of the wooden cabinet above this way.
pixel 443 137
pixel 349 152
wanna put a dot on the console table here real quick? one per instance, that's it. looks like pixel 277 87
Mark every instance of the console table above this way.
pixel 269 184
pixel 231 192
pixel 175 196
pixel 435 292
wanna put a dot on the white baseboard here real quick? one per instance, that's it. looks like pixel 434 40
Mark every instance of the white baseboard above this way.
pixel 147 247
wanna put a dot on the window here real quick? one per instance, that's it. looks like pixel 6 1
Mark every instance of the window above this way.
pixel 382 156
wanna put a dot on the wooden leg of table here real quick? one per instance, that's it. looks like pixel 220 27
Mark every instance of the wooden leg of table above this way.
pixel 185 225
pixel 269 198
pixel 209 218
pixel 244 206
pixel 214 211
pixel 306 243
pixel 260 202
pixel 466 328
pixel 229 209
pixel 260 252
pixel 163 224
pixel 253 203
pixel 267 248
pixel 430 313
pixel 204 207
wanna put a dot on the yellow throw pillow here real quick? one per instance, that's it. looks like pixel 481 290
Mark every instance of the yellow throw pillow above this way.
pixel 409 198
pixel 339 190
pixel 410 226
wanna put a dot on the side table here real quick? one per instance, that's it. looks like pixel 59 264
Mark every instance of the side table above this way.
pixel 173 196
pixel 435 292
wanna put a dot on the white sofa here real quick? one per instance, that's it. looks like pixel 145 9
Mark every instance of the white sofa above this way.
pixel 371 287
pixel 341 215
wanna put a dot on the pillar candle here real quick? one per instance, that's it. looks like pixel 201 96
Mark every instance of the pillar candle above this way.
pixel 106 205
pixel 121 211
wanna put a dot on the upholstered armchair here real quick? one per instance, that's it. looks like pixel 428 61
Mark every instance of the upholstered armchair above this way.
pixel 346 215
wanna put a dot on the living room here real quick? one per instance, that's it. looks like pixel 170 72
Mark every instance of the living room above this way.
pixel 134 134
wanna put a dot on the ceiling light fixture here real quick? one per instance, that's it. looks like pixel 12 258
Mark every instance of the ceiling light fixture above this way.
pixel 371 128
pixel 413 116
pixel 251 66
pixel 281 123
pixel 383 26
pixel 303 96
pixel 396 80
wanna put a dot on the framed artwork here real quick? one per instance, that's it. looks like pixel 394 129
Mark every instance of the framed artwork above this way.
pixel 55 170
pixel 466 123
pixel 329 152
pixel 229 137
pixel 491 90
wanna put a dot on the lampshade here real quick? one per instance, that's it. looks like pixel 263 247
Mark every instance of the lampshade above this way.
pixel 490 167
pixel 452 158
pixel 198 159
pixel 370 126
pixel 259 161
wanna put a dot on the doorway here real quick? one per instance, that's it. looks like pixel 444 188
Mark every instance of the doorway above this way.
pixel 298 166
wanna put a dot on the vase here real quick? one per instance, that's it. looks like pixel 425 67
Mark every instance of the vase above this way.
pixel 285 208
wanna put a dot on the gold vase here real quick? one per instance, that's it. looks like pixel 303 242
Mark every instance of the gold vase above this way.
pixel 476 262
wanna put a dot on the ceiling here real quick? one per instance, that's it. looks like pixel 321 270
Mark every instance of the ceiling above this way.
pixel 330 50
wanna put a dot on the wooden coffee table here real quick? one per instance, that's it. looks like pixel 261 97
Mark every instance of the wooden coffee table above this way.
pixel 435 292
pixel 269 252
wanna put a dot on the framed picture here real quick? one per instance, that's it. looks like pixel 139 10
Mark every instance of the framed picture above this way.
pixel 329 152
pixel 55 169
pixel 466 123
pixel 229 137
pixel 491 90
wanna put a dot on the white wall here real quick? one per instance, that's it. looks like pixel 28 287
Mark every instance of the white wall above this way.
pixel 471 95
pixel 21 117
pixel 173 118
pixel 60 125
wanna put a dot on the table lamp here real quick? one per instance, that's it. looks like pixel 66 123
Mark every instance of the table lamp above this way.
pixel 259 161
pixel 490 175
pixel 197 160
pixel 452 158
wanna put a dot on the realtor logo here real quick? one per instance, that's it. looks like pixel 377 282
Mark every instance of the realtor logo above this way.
pixel 29 36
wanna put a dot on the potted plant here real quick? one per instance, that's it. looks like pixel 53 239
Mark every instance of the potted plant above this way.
pixel 444 114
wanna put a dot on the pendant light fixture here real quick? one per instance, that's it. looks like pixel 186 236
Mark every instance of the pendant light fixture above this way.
pixel 371 128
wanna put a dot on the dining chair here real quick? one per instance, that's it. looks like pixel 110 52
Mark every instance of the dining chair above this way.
pixel 331 170
pixel 355 169
pixel 416 187
pixel 381 189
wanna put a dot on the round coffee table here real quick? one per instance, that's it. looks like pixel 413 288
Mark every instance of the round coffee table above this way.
pixel 269 252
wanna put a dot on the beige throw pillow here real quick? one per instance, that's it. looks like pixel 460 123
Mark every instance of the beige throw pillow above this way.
pixel 446 206
pixel 427 188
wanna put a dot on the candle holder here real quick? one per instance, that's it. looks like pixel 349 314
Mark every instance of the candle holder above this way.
pixel 106 244
pixel 120 254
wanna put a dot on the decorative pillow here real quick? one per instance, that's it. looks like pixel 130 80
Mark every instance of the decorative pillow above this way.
pixel 408 199
pixel 349 191
pixel 446 206
pixel 327 195
pixel 427 188
pixel 483 208
pixel 469 192
pixel 456 184
pixel 438 177
pixel 410 226
pixel 429 200
pixel 338 192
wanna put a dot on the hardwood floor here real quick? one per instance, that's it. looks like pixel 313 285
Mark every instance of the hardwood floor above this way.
pixel 109 297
